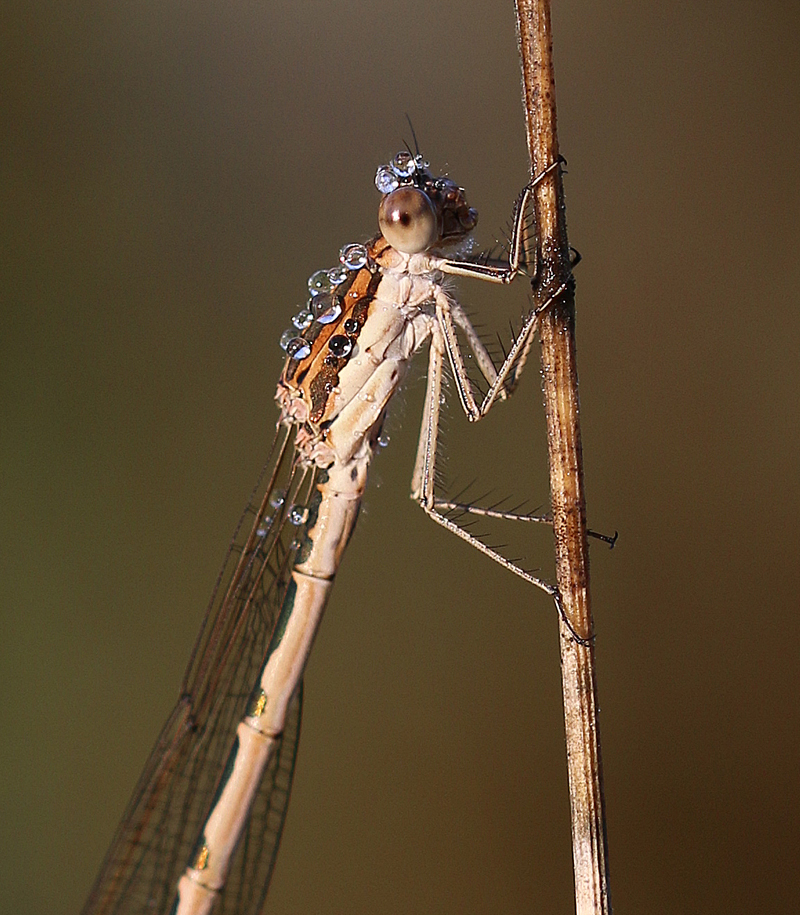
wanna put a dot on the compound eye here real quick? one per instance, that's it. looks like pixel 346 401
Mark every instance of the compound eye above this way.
pixel 408 220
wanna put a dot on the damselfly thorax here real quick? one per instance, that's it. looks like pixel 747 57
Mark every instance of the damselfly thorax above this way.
pixel 367 317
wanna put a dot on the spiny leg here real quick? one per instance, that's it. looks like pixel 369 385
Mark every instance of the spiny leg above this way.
pixel 502 380
pixel 450 314
pixel 498 514
pixel 423 487
pixel 501 273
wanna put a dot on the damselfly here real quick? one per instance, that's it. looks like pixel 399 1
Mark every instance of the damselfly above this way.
pixel 202 829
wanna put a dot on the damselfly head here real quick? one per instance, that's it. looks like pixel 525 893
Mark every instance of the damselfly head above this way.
pixel 420 211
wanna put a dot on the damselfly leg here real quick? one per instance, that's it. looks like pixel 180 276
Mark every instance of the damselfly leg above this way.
pixel 444 342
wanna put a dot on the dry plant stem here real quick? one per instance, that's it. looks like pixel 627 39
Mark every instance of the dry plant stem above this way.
pixel 560 386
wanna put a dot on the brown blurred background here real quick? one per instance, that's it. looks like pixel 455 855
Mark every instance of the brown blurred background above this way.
pixel 171 174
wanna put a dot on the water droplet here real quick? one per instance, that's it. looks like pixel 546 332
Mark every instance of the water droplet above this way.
pixel 354 257
pixel 403 164
pixel 350 326
pixel 340 345
pixel 298 348
pixel 319 304
pixel 286 338
pixel 331 313
pixel 303 319
pixel 319 282
pixel 337 275
pixel 298 515
pixel 383 440
pixel 278 498
pixel 385 180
